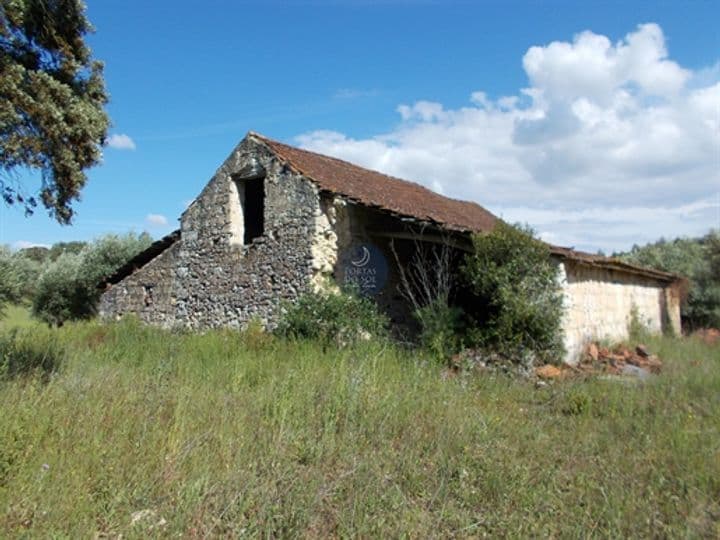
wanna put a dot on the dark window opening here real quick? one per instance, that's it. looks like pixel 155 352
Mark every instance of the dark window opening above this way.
pixel 253 209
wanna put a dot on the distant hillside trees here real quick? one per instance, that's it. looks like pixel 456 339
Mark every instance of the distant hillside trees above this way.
pixel 698 259
pixel 65 247
pixel 35 253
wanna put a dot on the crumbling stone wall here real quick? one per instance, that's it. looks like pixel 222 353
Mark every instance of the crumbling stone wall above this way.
pixel 332 234
pixel 150 293
pixel 207 279
pixel 341 228
pixel 210 277
pixel 598 303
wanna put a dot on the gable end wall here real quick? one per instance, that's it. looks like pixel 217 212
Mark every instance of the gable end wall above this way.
pixel 206 278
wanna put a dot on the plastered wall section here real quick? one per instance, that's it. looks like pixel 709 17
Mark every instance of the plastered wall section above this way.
pixel 341 227
pixel 598 304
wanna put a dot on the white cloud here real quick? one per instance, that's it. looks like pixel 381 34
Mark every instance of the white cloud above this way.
pixel 612 227
pixel 24 244
pixel 591 66
pixel 120 141
pixel 609 145
pixel 156 220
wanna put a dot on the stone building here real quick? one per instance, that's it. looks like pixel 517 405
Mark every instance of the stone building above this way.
pixel 275 221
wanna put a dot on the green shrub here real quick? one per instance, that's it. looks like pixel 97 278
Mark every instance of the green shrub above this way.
pixel 441 328
pixel 513 274
pixel 341 318
pixel 18 276
pixel 428 279
pixel 6 288
pixel 7 278
pixel 576 402
pixel 255 337
pixel 29 352
pixel 108 253
pixel 27 272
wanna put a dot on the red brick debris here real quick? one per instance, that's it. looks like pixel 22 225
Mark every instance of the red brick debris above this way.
pixel 598 360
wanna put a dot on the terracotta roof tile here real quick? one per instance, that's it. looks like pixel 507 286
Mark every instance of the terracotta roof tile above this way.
pixel 611 263
pixel 409 199
pixel 375 189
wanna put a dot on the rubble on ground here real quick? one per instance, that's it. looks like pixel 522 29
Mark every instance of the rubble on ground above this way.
pixel 478 359
pixel 548 371
pixel 621 360
pixel 613 361
pixel 618 360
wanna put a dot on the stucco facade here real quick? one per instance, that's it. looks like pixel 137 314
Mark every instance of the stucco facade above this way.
pixel 599 304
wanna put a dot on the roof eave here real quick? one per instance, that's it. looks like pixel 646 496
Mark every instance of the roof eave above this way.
pixel 140 260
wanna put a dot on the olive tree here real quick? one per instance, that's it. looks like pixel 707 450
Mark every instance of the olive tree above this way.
pixel 67 289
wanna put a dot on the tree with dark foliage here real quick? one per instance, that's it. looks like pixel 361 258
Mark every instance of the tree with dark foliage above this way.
pixel 52 98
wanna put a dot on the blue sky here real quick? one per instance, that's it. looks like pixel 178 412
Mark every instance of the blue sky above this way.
pixel 599 129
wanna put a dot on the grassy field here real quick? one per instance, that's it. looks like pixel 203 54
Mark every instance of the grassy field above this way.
pixel 16 317
pixel 146 433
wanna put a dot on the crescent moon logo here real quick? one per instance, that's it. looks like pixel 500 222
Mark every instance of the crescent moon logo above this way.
pixel 364 259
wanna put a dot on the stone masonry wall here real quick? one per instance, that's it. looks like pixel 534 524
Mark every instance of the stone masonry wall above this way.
pixel 207 279
pixel 598 303
pixel 149 293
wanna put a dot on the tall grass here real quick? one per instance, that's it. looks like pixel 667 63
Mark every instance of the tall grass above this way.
pixel 16 316
pixel 227 434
